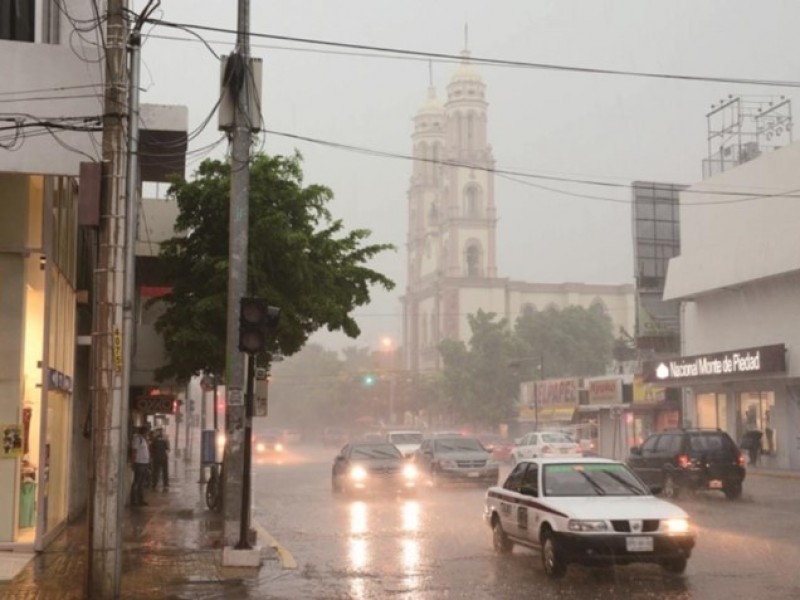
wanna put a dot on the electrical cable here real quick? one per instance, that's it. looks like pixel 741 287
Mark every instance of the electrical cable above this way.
pixel 486 61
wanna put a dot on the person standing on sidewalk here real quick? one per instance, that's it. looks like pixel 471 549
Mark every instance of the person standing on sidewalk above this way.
pixel 140 453
pixel 160 450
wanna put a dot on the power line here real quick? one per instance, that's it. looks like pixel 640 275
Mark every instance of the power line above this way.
pixel 511 175
pixel 496 62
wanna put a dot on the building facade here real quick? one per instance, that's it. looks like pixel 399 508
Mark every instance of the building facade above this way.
pixel 452 269
pixel 738 281
pixel 43 383
pixel 51 184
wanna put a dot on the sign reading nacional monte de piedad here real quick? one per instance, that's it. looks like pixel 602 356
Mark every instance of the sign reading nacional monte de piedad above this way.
pixel 719 365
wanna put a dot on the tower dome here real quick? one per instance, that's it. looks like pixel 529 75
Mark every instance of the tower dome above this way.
pixel 466 71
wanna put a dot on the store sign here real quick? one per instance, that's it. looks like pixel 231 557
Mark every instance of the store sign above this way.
pixel 162 404
pixel 560 392
pixel 606 390
pixel 647 393
pixel 720 365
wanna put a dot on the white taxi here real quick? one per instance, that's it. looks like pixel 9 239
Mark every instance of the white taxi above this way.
pixel 543 444
pixel 590 511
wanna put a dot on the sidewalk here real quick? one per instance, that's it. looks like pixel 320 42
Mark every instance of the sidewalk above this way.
pixel 172 549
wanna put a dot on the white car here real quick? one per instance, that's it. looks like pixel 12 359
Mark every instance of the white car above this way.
pixel 543 444
pixel 407 441
pixel 590 511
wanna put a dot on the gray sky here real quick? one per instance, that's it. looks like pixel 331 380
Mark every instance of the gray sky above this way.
pixel 589 126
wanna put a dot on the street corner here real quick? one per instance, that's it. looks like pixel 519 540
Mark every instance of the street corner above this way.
pixel 274 549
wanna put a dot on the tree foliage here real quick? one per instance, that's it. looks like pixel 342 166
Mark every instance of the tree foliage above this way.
pixel 299 258
pixel 479 381
pixel 568 342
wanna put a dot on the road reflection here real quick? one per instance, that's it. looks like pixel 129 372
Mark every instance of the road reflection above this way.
pixel 368 550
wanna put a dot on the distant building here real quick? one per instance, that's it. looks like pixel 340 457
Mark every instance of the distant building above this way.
pixel 452 267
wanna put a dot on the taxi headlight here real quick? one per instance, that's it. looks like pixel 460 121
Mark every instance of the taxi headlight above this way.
pixel 410 472
pixel 358 473
pixel 677 525
pixel 581 525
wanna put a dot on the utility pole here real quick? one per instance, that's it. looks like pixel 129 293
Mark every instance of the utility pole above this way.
pixel 239 86
pixel 109 412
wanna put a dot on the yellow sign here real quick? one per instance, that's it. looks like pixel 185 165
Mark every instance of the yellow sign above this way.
pixel 647 393
pixel 117 351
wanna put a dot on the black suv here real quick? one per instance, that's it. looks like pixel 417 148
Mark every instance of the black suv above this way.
pixel 694 459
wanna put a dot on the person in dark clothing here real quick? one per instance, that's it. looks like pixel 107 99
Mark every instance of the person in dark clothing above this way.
pixel 160 452
pixel 751 441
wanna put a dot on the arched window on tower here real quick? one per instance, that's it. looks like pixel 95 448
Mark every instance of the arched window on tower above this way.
pixel 472 202
pixel 472 259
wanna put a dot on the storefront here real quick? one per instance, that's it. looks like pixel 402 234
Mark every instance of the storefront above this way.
pixel 740 391
pixel 38 222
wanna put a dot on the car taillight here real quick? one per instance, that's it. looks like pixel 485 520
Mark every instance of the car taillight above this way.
pixel 546 449
pixel 740 460
pixel 683 461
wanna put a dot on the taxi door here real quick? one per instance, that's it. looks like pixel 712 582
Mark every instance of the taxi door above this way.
pixel 510 500
pixel 527 516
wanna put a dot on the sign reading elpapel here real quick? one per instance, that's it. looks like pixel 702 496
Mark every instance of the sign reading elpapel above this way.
pixel 763 359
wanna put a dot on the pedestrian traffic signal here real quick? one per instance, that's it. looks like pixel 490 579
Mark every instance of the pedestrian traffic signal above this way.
pixel 256 321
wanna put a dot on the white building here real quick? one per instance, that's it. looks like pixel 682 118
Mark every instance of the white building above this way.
pixel 452 260
pixel 738 278
pixel 51 83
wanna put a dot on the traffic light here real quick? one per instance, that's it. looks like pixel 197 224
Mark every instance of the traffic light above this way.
pixel 256 320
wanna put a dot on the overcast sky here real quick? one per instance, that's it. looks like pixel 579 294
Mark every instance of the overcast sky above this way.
pixel 602 127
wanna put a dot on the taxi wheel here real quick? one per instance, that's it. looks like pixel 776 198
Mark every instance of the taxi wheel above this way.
pixel 500 541
pixel 675 565
pixel 554 565
pixel 670 489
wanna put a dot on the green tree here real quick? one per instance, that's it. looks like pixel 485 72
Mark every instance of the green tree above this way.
pixel 570 342
pixel 300 259
pixel 480 381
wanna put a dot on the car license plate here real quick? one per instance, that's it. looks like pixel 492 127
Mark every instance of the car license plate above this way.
pixel 715 484
pixel 473 474
pixel 639 544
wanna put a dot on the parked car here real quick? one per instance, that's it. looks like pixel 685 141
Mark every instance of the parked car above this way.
pixel 334 436
pixel 590 511
pixel 690 459
pixel 372 467
pixel 498 446
pixel 407 441
pixel 456 459
pixel 542 444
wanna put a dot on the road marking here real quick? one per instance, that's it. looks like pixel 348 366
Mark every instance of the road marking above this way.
pixel 287 560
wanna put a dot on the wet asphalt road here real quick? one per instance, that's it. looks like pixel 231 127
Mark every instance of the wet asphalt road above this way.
pixel 436 545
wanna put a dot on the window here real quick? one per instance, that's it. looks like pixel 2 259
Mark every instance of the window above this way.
pixel 649 446
pixel 530 480
pixel 473 260
pixel 17 20
pixel 472 202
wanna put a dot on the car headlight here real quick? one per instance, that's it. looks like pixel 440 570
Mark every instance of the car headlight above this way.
pixel 358 473
pixel 581 525
pixel 492 464
pixel 677 525
pixel 410 472
pixel 260 447
pixel 448 464
pixel 278 447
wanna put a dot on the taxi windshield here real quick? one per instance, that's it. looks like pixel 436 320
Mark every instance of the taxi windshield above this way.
pixel 581 479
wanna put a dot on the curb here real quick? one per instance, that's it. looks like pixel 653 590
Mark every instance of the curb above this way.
pixel 286 558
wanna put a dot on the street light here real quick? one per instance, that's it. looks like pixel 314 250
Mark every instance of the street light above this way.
pixel 387 347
